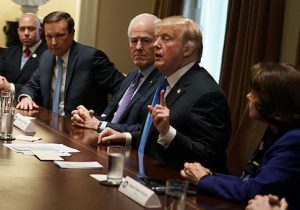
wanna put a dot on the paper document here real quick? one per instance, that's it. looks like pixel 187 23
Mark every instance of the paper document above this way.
pixel 78 165
pixel 42 147
pixel 46 155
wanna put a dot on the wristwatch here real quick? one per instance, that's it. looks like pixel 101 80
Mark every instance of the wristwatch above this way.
pixel 99 129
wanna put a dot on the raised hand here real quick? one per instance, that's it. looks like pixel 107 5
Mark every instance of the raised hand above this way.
pixel 160 115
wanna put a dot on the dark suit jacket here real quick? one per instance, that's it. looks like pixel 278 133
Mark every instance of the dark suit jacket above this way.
pixel 136 111
pixel 10 64
pixel 200 115
pixel 90 77
pixel 278 174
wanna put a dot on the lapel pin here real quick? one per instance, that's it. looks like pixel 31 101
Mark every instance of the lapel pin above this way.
pixel 178 91
pixel 34 55
pixel 151 82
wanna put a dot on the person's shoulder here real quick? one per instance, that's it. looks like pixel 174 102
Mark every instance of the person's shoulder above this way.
pixel 12 49
pixel 86 50
pixel 290 137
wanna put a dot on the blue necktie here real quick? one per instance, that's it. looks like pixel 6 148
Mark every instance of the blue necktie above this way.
pixel 148 122
pixel 56 94
pixel 127 98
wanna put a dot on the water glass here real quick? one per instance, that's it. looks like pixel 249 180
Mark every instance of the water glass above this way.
pixel 7 99
pixel 116 159
pixel 175 194
pixel 6 122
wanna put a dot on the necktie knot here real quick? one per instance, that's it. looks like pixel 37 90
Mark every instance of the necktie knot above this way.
pixel 27 52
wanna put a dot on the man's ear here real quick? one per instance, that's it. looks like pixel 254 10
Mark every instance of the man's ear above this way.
pixel 188 49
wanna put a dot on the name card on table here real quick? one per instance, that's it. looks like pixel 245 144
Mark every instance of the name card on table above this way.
pixel 139 193
pixel 24 123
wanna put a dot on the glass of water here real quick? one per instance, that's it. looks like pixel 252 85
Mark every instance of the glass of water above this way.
pixel 116 159
pixel 175 194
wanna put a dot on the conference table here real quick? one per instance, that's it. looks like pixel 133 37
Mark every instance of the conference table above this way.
pixel 29 183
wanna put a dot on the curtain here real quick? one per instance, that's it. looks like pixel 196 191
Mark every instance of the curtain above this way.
pixel 165 8
pixel 298 52
pixel 253 34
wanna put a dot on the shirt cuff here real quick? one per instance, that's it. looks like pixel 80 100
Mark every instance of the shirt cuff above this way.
pixel 166 140
pixel 23 95
pixel 128 138
pixel 103 125
pixel 12 88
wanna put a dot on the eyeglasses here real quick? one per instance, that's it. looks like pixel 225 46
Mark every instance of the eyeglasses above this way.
pixel 29 28
pixel 144 41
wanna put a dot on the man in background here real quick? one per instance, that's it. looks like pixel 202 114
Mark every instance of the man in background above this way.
pixel 128 109
pixel 18 63
pixel 69 73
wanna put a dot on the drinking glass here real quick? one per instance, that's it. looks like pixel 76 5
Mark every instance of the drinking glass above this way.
pixel 6 122
pixel 116 159
pixel 175 194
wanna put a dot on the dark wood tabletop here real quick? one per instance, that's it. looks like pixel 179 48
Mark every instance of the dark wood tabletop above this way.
pixel 28 183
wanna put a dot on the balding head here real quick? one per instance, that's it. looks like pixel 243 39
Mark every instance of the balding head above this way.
pixel 29 29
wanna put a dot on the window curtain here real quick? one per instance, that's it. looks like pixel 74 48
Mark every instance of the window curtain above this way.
pixel 298 52
pixel 165 8
pixel 253 34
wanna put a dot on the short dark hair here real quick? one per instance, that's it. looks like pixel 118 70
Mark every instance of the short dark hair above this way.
pixel 57 16
pixel 277 86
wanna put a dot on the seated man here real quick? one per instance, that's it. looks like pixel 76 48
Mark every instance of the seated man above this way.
pixel 192 120
pixel 18 63
pixel 128 108
pixel 69 73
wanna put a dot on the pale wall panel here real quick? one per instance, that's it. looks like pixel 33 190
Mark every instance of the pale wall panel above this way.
pixel 113 20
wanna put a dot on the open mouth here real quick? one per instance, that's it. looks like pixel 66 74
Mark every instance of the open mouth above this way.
pixel 157 55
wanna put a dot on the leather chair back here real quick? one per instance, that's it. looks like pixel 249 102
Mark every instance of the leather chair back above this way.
pixel 244 143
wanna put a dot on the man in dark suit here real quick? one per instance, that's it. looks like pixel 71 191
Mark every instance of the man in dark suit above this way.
pixel 193 121
pixel 129 118
pixel 69 73
pixel 18 63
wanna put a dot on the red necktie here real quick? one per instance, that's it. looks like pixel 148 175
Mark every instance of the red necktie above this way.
pixel 27 53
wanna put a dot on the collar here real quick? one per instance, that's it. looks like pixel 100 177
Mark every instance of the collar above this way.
pixel 33 48
pixel 173 78
pixel 146 72
pixel 65 57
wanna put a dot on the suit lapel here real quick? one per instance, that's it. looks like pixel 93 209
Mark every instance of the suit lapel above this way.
pixel 180 87
pixel 17 63
pixel 46 76
pixel 70 67
pixel 119 96
pixel 151 79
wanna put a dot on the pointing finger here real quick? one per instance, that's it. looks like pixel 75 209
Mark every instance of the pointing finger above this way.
pixel 162 98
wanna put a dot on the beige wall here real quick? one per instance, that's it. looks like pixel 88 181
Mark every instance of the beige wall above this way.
pixel 290 31
pixel 11 11
pixel 113 20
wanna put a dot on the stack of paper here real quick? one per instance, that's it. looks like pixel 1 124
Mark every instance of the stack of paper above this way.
pixel 78 165
pixel 43 151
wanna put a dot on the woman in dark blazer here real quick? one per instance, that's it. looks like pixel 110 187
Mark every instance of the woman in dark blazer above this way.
pixel 274 168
